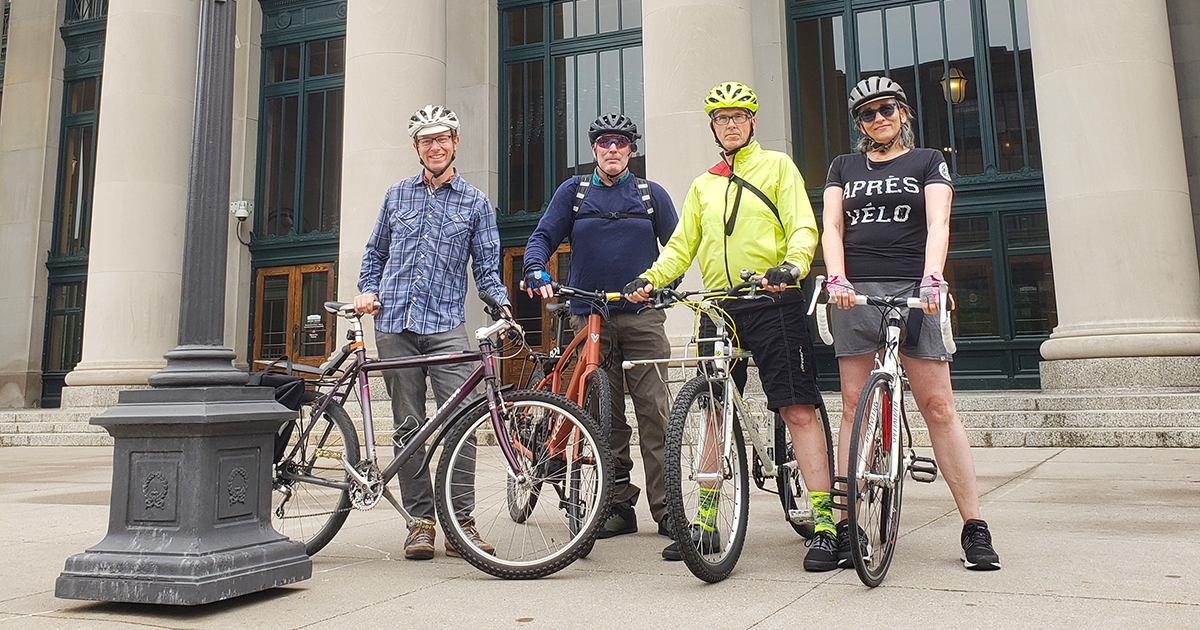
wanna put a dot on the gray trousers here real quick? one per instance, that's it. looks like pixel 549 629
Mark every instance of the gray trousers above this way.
pixel 407 389
pixel 629 336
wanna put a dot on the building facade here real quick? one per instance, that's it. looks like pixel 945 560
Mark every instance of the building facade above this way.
pixel 1073 137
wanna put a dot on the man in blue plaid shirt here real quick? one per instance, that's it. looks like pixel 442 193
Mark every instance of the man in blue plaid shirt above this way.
pixel 416 266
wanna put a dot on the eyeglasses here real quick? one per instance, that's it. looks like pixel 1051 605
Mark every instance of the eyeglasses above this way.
pixel 723 119
pixel 444 141
pixel 613 141
pixel 867 116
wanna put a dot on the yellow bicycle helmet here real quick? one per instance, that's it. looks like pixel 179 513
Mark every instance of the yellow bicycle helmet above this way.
pixel 730 94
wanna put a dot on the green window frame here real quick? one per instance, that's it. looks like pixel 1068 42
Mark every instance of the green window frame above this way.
pixel 67 259
pixel 562 64
pixel 297 197
pixel 3 51
pixel 999 260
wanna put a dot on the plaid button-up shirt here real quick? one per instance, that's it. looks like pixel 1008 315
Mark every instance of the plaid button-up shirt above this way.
pixel 416 258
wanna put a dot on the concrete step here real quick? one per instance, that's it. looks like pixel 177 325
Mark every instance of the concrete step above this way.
pixel 56 439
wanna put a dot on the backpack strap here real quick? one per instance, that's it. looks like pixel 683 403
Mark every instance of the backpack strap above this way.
pixel 581 190
pixel 741 183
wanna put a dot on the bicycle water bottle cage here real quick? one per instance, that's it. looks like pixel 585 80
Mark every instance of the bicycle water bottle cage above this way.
pixel 923 469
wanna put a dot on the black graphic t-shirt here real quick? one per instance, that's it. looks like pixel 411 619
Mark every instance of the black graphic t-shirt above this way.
pixel 883 205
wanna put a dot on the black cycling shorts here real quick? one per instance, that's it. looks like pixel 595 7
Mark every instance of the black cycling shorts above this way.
pixel 777 335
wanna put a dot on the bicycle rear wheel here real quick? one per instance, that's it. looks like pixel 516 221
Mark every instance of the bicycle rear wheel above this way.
pixel 874 508
pixel 707 492
pixel 573 460
pixel 304 511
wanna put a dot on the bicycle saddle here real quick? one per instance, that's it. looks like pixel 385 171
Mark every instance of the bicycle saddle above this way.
pixel 335 307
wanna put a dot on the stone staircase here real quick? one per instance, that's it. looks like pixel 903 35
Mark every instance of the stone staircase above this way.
pixel 1108 417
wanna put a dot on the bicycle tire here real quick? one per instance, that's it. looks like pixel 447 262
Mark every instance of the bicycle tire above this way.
pixel 712 554
pixel 787 481
pixel 874 509
pixel 308 512
pixel 544 543
pixel 597 401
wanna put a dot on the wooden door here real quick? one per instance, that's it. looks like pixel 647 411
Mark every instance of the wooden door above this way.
pixel 289 315
pixel 530 312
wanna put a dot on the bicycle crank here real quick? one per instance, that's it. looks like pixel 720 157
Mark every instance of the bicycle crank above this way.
pixel 366 486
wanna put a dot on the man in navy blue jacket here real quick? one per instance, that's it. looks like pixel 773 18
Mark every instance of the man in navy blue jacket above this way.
pixel 615 223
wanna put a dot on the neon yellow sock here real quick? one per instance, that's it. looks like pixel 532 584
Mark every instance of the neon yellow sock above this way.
pixel 822 505
pixel 706 512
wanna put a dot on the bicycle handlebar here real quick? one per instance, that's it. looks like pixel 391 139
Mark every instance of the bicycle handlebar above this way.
pixel 819 291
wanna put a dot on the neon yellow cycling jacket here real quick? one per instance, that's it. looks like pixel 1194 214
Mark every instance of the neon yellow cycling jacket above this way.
pixel 758 241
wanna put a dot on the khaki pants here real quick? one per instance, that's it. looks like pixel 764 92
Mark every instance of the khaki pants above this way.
pixel 631 336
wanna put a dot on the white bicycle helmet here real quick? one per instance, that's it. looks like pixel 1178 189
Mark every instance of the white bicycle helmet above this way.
pixel 873 89
pixel 432 119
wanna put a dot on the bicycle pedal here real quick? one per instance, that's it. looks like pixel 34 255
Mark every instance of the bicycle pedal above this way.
pixel 923 469
pixel 837 494
pixel 800 516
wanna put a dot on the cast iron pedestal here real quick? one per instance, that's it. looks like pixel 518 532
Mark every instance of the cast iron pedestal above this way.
pixel 189 519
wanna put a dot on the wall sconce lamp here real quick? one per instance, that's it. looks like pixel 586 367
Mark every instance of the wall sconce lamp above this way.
pixel 954 87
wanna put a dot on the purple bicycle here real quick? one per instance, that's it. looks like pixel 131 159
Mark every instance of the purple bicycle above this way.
pixel 543 473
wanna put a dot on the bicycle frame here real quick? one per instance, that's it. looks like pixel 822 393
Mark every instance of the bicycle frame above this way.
pixel 357 371
pixel 587 342
pixel 890 365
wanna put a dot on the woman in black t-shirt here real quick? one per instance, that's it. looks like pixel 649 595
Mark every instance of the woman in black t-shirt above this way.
pixel 887 230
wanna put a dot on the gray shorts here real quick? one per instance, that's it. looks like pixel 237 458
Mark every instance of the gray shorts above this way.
pixel 860 330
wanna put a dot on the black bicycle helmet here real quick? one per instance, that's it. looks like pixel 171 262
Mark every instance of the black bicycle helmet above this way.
pixel 613 123
pixel 874 88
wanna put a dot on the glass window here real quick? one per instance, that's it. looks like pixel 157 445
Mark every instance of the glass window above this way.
pixel 274 317
pixel 1034 309
pixel 585 79
pixel 64 343
pixel 301 172
pixel 73 219
pixel 973 284
pixel 933 50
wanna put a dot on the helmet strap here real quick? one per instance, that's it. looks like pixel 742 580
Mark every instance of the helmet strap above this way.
pixel 433 175
pixel 612 179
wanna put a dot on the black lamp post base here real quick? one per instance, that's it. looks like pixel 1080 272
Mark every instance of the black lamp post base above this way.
pixel 190 513
pixel 198 366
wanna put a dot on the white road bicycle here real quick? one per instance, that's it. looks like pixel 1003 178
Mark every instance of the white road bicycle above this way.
pixel 881 452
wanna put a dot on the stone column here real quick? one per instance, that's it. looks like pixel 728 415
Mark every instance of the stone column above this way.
pixel 395 64
pixel 1121 232
pixel 1184 16
pixel 142 159
pixel 29 130
pixel 678 40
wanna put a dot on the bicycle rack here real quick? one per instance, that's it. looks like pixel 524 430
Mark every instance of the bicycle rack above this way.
pixel 923 469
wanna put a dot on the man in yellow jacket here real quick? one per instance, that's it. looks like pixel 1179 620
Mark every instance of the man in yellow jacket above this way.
pixel 751 211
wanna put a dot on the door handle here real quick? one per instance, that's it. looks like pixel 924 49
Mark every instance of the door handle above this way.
pixel 296 340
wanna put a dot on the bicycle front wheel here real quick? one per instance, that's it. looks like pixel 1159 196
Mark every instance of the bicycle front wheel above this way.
pixel 597 401
pixel 874 508
pixel 307 511
pixel 572 459
pixel 707 483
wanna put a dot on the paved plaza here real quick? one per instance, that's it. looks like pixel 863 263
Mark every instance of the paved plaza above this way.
pixel 1089 538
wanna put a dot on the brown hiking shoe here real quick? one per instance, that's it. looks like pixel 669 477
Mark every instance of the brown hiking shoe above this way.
pixel 474 538
pixel 419 544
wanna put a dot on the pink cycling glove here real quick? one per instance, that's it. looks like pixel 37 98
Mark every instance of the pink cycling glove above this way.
pixel 837 286
pixel 931 288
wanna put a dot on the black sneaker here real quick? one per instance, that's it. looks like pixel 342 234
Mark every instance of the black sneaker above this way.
pixel 822 552
pixel 621 520
pixel 664 526
pixel 977 552
pixel 843 539
pixel 707 541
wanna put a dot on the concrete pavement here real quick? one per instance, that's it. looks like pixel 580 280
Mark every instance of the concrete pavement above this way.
pixel 1095 538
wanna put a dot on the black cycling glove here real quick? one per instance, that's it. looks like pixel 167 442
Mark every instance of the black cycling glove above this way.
pixel 634 285
pixel 786 273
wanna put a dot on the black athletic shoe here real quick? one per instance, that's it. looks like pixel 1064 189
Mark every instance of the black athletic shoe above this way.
pixel 977 552
pixel 621 520
pixel 707 541
pixel 843 539
pixel 822 552
pixel 664 526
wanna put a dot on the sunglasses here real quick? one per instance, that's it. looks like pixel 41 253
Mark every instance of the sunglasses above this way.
pixel 867 116
pixel 609 142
